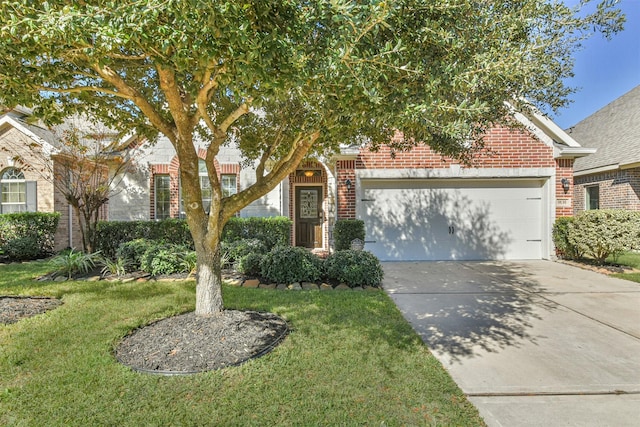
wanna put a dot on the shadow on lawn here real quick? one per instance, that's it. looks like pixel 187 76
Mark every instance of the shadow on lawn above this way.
pixel 476 306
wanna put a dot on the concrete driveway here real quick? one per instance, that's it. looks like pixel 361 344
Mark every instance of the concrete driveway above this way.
pixel 532 343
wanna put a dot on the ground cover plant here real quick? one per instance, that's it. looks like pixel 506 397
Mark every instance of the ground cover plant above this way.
pixel 350 359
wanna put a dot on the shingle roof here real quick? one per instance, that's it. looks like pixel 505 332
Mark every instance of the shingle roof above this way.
pixel 614 130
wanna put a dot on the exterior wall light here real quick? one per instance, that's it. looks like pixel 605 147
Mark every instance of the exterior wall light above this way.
pixel 348 183
pixel 565 185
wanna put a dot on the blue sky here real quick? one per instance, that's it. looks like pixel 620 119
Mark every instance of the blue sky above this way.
pixel 604 70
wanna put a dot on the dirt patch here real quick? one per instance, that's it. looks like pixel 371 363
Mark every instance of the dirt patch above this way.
pixel 15 308
pixel 188 343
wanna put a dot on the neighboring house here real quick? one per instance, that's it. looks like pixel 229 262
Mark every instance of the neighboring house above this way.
pixel 416 205
pixel 610 178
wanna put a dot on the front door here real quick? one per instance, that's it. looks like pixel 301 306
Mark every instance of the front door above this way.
pixel 309 217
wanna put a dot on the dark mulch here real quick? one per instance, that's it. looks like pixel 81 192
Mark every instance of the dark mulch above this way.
pixel 15 308
pixel 188 343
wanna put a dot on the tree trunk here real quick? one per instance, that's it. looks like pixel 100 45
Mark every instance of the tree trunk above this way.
pixel 208 279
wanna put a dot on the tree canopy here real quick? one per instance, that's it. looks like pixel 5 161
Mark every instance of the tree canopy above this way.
pixel 285 78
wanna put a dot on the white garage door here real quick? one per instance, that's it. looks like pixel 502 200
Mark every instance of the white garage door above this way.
pixel 452 219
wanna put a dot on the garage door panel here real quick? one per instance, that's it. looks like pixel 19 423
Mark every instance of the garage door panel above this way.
pixel 426 220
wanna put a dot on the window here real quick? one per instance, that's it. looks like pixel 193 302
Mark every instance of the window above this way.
pixel 14 191
pixel 162 190
pixel 229 185
pixel 205 185
pixel 592 197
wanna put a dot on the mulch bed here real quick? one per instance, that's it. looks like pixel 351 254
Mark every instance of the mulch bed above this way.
pixel 188 343
pixel 15 308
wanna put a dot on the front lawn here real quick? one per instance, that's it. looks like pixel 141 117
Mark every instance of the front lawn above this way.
pixel 350 359
pixel 630 259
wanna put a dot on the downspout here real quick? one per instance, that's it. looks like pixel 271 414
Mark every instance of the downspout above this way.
pixel 70 225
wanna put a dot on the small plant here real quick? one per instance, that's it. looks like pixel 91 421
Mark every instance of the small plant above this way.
pixel 225 259
pixel 117 267
pixel 134 250
pixel 355 268
pixel 189 262
pixel 73 262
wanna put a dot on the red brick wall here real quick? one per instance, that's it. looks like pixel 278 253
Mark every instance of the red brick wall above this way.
pixel 564 200
pixel 504 148
pixel 619 189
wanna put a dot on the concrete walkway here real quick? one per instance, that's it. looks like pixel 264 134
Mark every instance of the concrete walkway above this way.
pixel 532 343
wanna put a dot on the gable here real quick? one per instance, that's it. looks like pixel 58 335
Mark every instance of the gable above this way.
pixel 614 131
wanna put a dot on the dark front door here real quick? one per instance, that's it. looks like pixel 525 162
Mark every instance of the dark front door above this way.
pixel 309 216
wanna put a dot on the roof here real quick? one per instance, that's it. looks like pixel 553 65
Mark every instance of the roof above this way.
pixel 614 131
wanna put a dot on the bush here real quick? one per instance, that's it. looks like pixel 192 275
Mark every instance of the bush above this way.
pixel 111 234
pixel 355 268
pixel 250 264
pixel 601 233
pixel 28 235
pixel 272 231
pixel 345 231
pixel 73 262
pixel 23 248
pixel 560 233
pixel 165 259
pixel 238 249
pixel 290 264
pixel 133 251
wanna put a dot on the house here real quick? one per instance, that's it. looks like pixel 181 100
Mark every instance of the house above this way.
pixel 610 178
pixel 416 205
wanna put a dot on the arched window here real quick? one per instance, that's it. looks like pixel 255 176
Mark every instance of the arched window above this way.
pixel 14 191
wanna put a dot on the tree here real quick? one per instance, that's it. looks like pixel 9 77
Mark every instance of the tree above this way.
pixel 87 171
pixel 285 79
pixel 86 168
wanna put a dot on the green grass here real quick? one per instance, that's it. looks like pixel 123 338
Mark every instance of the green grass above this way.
pixel 631 259
pixel 350 359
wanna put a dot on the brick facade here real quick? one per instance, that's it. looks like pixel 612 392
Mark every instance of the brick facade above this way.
pixel 504 148
pixel 619 189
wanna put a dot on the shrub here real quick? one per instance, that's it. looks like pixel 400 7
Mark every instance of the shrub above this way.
pixel 346 230
pixel 28 235
pixel 73 262
pixel 272 231
pixel 23 248
pixel 560 233
pixel 238 249
pixel 355 268
pixel 189 262
pixel 160 259
pixel 133 251
pixel 117 267
pixel 111 234
pixel 290 264
pixel 601 233
pixel 250 264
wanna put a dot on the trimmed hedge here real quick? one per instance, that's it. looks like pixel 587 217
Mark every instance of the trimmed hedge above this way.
pixel 111 234
pixel 605 232
pixel 355 268
pixel 285 265
pixel 28 235
pixel 345 231
pixel 560 233
pixel 272 231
